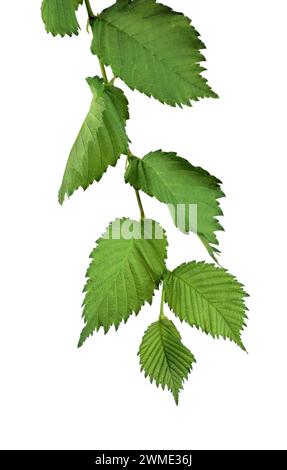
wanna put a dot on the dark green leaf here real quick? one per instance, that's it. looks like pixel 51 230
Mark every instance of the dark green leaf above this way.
pixel 101 140
pixel 191 192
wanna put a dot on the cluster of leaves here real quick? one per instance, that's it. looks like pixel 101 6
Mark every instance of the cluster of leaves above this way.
pixel 156 51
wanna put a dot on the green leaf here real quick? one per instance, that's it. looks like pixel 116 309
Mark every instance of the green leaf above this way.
pixel 127 266
pixel 101 140
pixel 77 3
pixel 191 192
pixel 152 49
pixel 164 358
pixel 59 16
pixel 209 298
pixel 212 250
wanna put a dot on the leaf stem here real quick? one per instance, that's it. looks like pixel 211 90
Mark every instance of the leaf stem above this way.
pixel 140 204
pixel 139 201
pixel 129 154
pixel 91 14
pixel 161 314
pixel 104 73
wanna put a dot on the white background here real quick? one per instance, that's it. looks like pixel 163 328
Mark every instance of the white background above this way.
pixel 54 396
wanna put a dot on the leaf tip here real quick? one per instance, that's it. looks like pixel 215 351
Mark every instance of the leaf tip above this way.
pixel 82 339
pixel 176 398
pixel 61 196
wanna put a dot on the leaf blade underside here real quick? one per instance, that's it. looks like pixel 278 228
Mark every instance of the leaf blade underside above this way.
pixel 123 274
pixel 164 358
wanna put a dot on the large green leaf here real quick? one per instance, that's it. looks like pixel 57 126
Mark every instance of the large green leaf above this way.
pixel 191 192
pixel 127 266
pixel 164 358
pixel 59 16
pixel 101 140
pixel 153 49
pixel 209 298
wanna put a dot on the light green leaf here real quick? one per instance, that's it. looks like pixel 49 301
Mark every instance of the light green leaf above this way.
pixel 101 140
pixel 209 298
pixel 127 266
pixel 59 16
pixel 191 192
pixel 164 358
pixel 153 49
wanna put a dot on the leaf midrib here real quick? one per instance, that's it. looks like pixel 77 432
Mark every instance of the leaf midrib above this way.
pixel 174 391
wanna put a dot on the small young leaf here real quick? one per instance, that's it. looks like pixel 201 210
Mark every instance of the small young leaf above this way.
pixel 164 358
pixel 59 16
pixel 101 140
pixel 152 49
pixel 174 181
pixel 127 266
pixel 209 298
